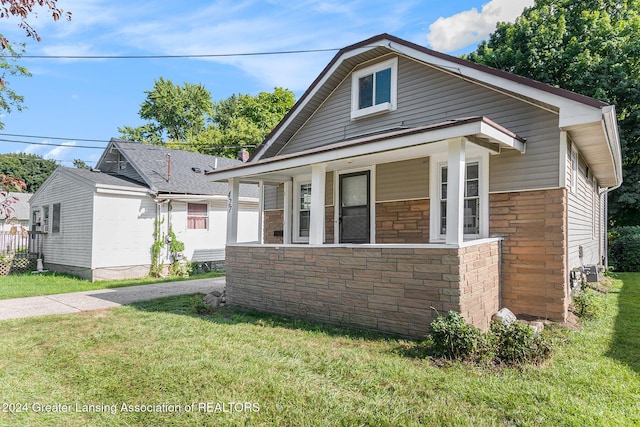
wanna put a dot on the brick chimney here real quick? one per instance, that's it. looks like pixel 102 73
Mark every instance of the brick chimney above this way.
pixel 243 155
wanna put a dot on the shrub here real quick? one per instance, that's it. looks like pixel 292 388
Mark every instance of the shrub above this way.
pixel 453 338
pixel 624 248
pixel 587 303
pixel 518 343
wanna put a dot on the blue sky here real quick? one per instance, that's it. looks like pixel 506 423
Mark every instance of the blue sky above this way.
pixel 71 100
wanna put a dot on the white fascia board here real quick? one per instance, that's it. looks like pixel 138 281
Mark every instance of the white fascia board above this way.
pixel 501 137
pixel 610 124
pixel 252 171
pixel 196 197
pixel 121 191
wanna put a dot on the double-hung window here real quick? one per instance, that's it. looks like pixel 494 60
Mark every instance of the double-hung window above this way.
pixel 302 211
pixel 374 89
pixel 471 205
pixel 197 216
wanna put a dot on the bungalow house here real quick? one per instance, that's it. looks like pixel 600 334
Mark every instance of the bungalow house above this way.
pixel 406 181
pixel 99 224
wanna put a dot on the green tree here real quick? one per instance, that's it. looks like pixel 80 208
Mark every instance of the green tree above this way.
pixel 185 117
pixel 591 47
pixel 244 120
pixel 31 169
pixel 9 54
pixel 80 164
pixel 175 113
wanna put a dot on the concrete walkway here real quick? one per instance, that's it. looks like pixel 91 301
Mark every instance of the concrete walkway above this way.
pixel 103 298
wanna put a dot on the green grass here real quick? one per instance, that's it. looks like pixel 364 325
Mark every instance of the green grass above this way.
pixel 300 374
pixel 28 285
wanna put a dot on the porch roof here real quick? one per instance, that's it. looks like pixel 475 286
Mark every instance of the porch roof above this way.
pixel 477 130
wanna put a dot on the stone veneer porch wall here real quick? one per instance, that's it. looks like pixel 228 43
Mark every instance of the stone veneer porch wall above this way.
pixel 534 273
pixel 386 289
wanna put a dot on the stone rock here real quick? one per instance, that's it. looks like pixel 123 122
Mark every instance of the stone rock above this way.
pixel 505 316
pixel 537 326
pixel 215 299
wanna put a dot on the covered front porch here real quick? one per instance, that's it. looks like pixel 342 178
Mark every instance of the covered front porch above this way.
pixel 376 232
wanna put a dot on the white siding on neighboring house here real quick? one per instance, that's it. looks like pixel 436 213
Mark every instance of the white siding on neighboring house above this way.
pixel 124 230
pixel 585 216
pixel 214 237
pixel 72 244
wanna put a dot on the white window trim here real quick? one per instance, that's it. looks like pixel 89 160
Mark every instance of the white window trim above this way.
pixel 438 160
pixel 356 112
pixel 297 182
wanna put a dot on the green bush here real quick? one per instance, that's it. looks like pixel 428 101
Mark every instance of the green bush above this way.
pixel 518 343
pixel 587 303
pixel 624 248
pixel 453 338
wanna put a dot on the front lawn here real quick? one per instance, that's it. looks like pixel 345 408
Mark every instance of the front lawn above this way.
pixel 28 285
pixel 162 363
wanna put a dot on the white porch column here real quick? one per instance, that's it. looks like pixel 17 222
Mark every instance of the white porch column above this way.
pixel 288 212
pixel 260 212
pixel 316 226
pixel 456 169
pixel 232 214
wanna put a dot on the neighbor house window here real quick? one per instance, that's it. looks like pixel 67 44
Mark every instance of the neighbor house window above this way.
pixel 197 216
pixel 471 199
pixel 374 89
pixel 44 223
pixel 55 218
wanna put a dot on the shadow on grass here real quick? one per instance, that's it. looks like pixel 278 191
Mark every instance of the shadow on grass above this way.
pixel 194 306
pixel 626 339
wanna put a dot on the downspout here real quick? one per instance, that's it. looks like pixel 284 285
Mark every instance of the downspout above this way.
pixel 158 221
pixel 606 192
pixel 611 130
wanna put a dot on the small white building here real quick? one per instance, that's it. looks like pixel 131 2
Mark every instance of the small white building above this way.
pixel 99 224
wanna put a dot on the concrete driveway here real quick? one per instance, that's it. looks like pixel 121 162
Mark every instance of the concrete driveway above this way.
pixel 103 298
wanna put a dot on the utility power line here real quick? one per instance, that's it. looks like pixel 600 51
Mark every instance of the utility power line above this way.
pixel 211 55
pixel 53 137
pixel 49 144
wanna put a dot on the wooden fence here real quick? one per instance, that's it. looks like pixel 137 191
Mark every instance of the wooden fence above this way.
pixel 19 251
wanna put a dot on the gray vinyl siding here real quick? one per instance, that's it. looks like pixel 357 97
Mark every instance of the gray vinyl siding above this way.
pixel 72 245
pixel 584 220
pixel 405 180
pixel 273 197
pixel 428 96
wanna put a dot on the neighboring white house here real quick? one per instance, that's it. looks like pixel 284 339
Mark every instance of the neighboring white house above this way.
pixel 15 225
pixel 99 224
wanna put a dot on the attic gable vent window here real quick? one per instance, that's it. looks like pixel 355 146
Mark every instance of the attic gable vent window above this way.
pixel 374 89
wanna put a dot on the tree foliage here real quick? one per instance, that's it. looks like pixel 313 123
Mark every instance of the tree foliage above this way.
pixel 591 47
pixel 9 54
pixel 80 164
pixel 7 185
pixel 186 117
pixel 30 169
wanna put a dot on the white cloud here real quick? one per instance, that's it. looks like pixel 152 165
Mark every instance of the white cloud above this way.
pixel 468 27
pixel 59 152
